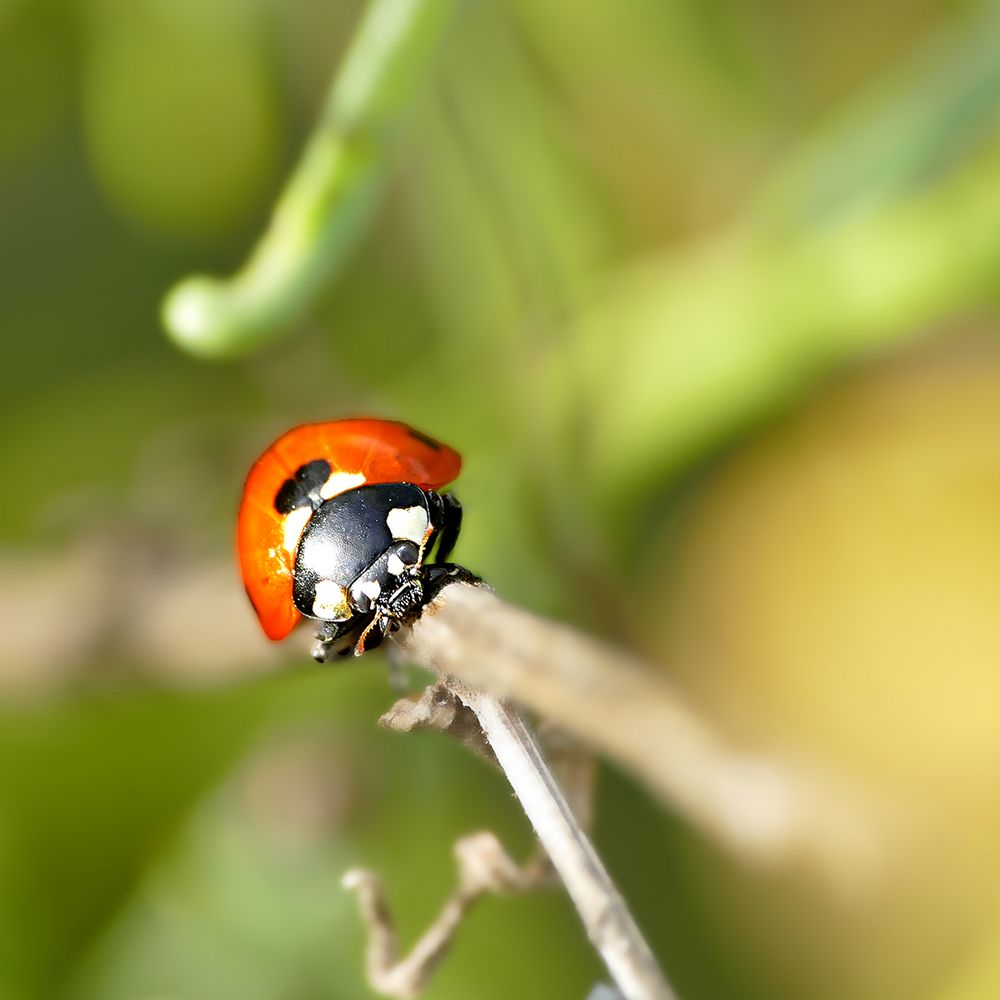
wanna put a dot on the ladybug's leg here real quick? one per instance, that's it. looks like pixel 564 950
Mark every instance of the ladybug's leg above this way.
pixel 447 517
pixel 380 620
pixel 435 577
pixel 450 513
pixel 332 639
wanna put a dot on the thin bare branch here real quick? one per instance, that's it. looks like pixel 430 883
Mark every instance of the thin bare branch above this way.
pixel 605 916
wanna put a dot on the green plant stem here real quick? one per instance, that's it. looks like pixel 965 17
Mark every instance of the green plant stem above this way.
pixel 327 200
pixel 718 338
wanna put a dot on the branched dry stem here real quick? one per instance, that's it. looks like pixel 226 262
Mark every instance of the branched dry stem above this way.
pixel 483 867
pixel 440 710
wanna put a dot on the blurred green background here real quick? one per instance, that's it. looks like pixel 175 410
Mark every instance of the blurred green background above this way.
pixel 705 291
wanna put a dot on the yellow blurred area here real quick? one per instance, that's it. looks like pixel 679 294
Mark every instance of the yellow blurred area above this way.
pixel 835 591
pixel 846 566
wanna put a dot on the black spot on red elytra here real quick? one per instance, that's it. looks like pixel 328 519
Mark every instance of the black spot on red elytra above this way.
pixel 303 489
pixel 424 439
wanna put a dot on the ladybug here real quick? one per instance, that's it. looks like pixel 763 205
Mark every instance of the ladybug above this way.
pixel 337 524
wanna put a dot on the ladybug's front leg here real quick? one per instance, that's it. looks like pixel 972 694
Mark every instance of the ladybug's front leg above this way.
pixel 438 575
pixel 390 610
pixel 333 639
pixel 374 632
pixel 448 517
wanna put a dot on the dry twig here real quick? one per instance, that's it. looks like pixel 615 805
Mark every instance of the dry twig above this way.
pixel 763 807
pixel 605 916
pixel 491 728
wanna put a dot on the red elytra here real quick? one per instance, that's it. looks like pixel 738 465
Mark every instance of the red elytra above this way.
pixel 380 451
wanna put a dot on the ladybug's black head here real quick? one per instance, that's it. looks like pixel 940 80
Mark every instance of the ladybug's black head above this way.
pixel 360 560
pixel 359 547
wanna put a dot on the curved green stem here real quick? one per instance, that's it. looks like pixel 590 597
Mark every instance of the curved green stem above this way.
pixel 328 199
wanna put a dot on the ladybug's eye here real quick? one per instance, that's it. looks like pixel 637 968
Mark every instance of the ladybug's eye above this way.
pixel 304 489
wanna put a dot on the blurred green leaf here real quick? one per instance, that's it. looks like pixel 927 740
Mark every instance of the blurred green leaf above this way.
pixel 900 137
pixel 91 792
pixel 686 351
pixel 180 112
pixel 327 200
pixel 36 60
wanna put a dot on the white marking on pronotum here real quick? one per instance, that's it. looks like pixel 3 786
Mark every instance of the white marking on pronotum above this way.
pixel 331 602
pixel 340 482
pixel 395 565
pixel 408 522
pixel 295 523
pixel 361 589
